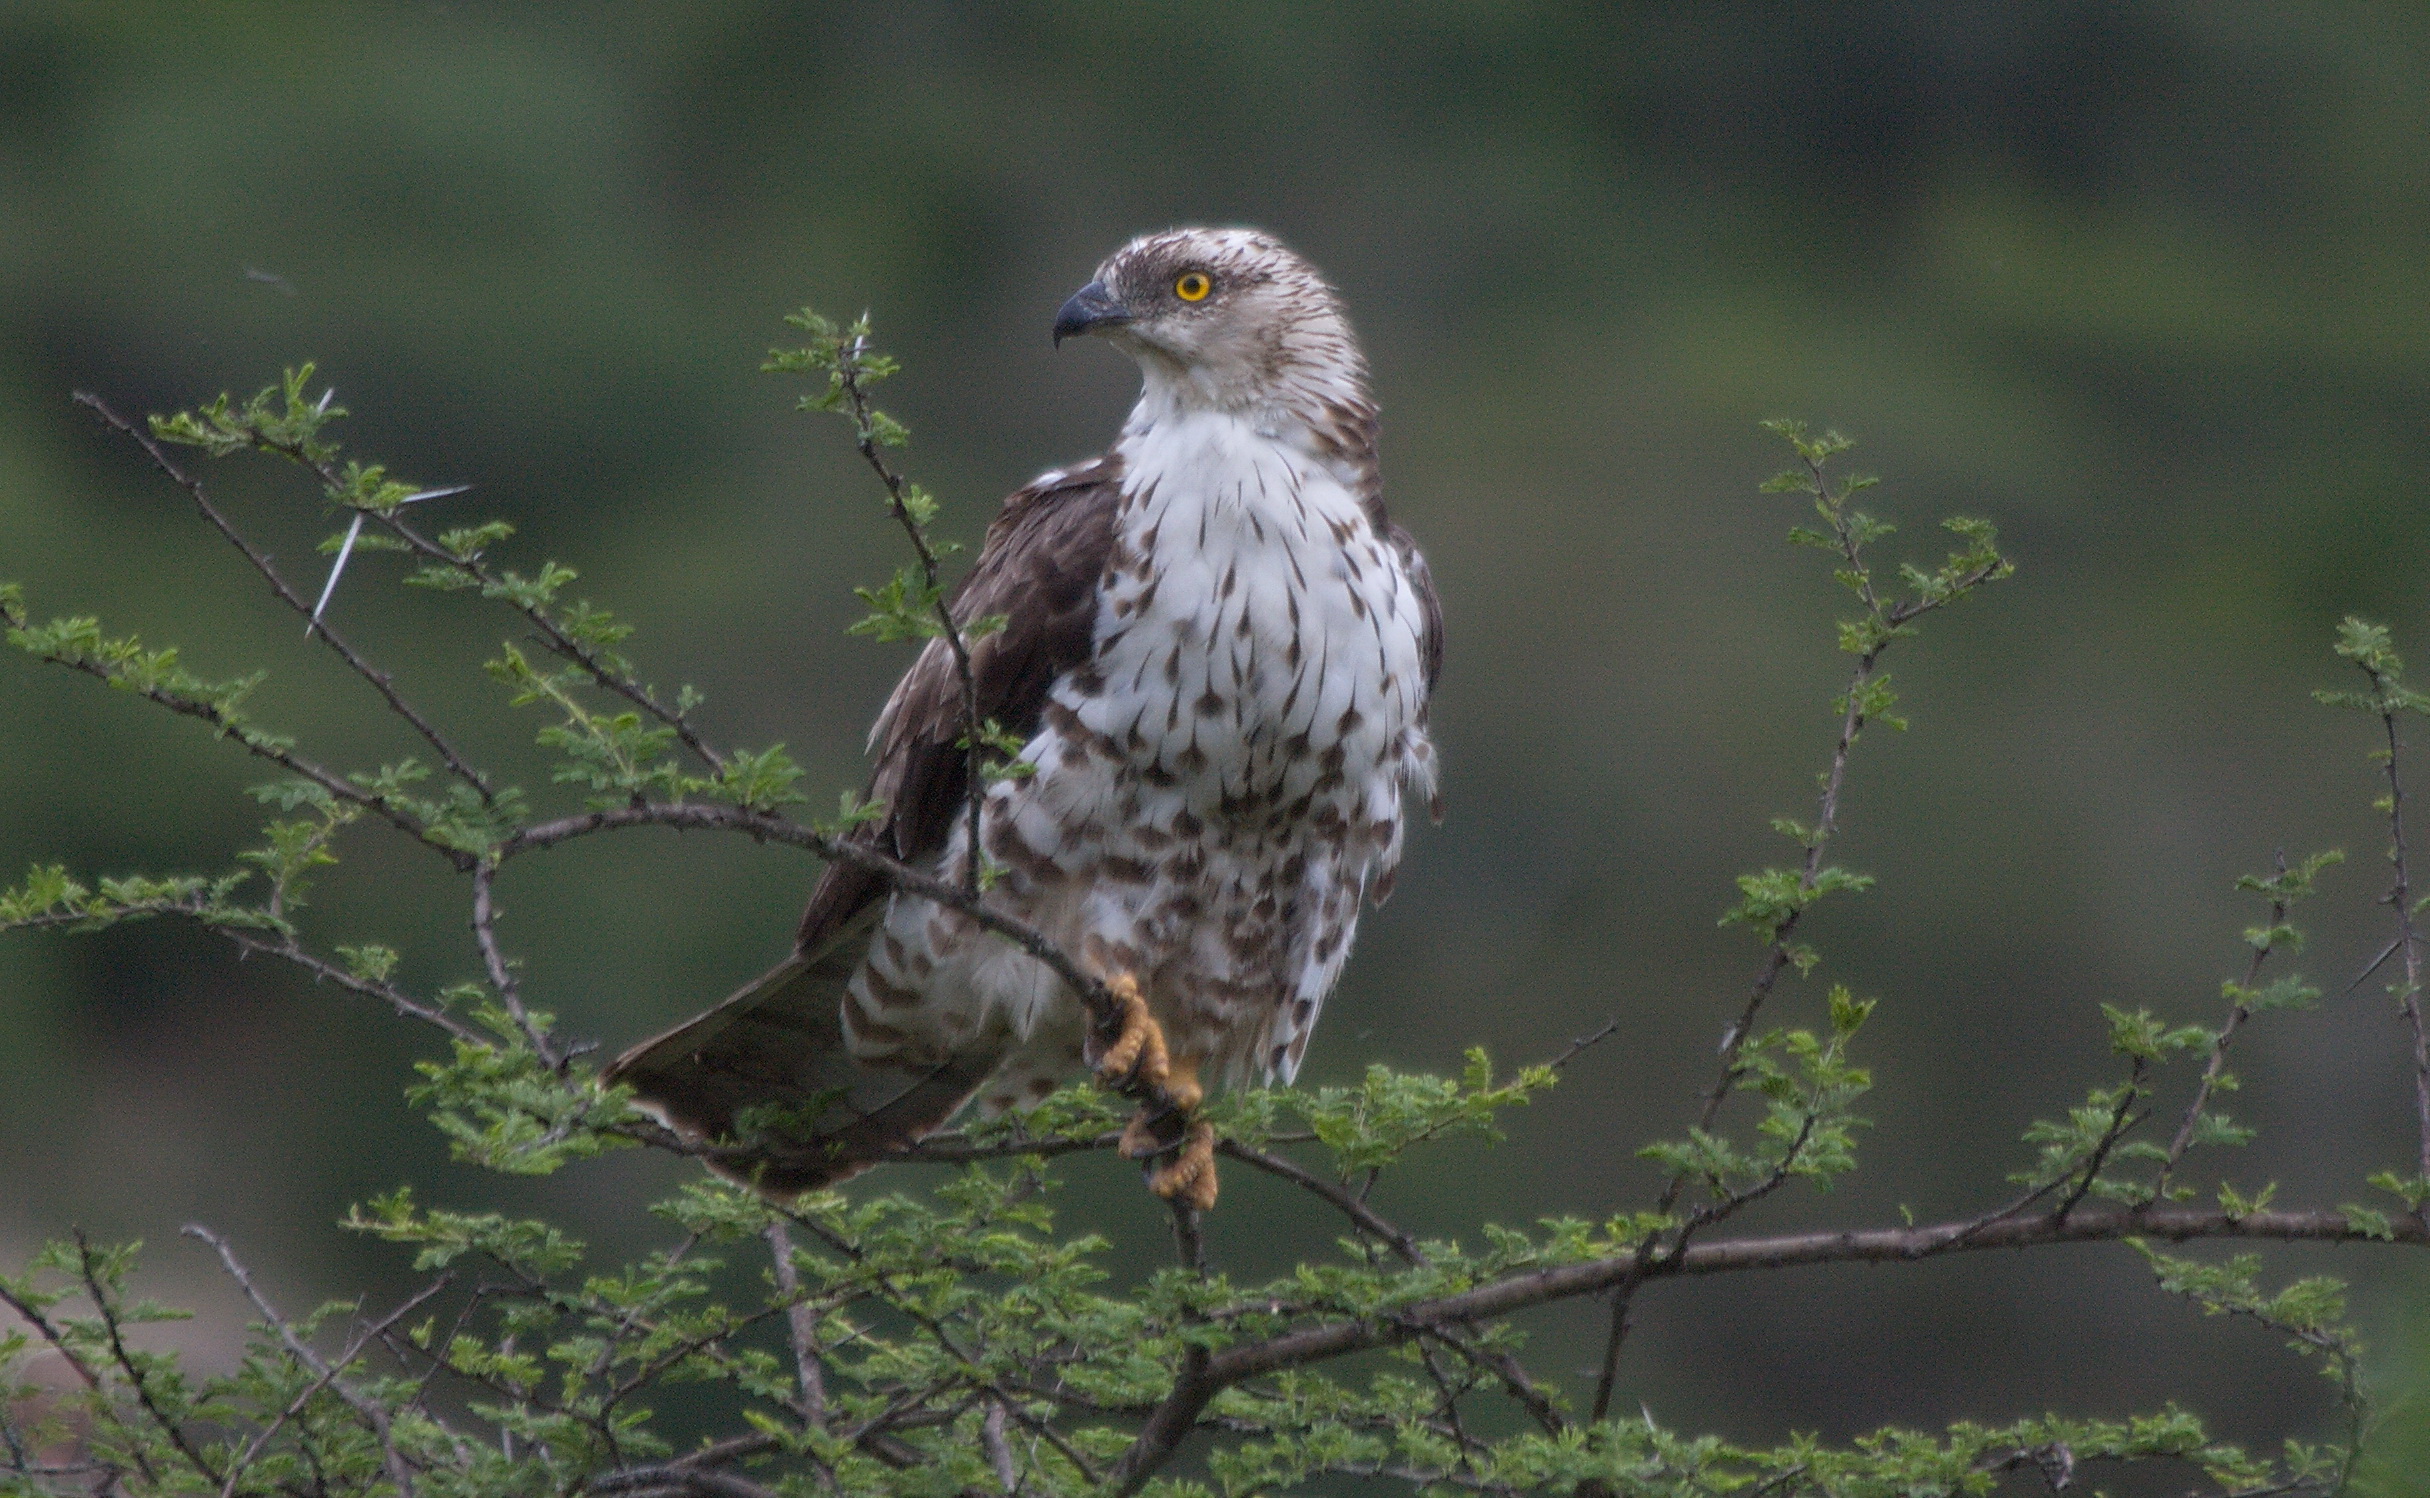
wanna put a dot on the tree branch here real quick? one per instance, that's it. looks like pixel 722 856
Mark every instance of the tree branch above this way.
pixel 380 680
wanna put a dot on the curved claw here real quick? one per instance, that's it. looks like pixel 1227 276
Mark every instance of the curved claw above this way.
pixel 1138 1052
pixel 1190 1175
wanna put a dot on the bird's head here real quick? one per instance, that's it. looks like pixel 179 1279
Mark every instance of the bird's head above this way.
pixel 1228 319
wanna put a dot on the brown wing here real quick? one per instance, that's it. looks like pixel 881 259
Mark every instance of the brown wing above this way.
pixel 776 1049
pixel 1039 569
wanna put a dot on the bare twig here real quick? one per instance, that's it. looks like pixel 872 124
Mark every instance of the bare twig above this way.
pixel 801 1328
pixel 501 973
pixel 1585 1043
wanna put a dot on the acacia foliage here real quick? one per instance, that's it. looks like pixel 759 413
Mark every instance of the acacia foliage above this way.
pixel 938 1330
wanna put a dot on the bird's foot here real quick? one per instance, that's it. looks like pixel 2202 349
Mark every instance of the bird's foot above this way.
pixel 1190 1175
pixel 1167 1125
pixel 1138 1052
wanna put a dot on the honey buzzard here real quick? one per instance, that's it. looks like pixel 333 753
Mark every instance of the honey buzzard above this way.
pixel 1218 653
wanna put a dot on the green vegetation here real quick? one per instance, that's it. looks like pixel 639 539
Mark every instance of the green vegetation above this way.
pixel 940 1329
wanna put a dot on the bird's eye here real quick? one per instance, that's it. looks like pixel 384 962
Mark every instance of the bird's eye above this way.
pixel 1193 287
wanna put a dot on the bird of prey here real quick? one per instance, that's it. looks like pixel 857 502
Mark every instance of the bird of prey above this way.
pixel 1217 651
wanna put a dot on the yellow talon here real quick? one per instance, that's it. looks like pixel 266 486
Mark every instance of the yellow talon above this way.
pixel 1191 1175
pixel 1138 1051
pixel 1139 1057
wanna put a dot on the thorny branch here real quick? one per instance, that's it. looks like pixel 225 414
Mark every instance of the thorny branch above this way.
pixel 553 635
pixel 128 1368
pixel 380 681
pixel 368 1409
pixel 1889 621
pixel 1446 1323
pixel 849 375
pixel 501 972
pixel 2400 899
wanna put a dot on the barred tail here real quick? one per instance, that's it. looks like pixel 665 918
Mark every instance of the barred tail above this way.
pixel 768 1082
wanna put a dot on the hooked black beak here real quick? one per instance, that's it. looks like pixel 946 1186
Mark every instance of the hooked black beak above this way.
pixel 1090 308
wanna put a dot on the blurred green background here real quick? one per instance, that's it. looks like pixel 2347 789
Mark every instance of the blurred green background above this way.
pixel 2142 283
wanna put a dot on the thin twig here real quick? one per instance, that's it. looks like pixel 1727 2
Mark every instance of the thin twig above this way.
pixel 1364 1217
pixel 128 1366
pixel 848 375
pixel 2122 1121
pixel 262 746
pixel 2400 899
pixel 769 827
pixel 801 1328
pixel 377 1331
pixel 1584 1043
pixel 2238 1013
pixel 399 1471
pixel 553 636
pixel 502 974
pixel 380 681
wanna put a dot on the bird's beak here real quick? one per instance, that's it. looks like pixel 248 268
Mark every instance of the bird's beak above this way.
pixel 1090 308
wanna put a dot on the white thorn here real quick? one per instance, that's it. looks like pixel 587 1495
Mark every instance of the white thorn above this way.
pixel 345 550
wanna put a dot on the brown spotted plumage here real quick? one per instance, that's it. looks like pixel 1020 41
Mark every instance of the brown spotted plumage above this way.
pixel 1218 653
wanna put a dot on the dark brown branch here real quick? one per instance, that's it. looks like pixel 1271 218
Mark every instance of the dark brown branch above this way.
pixel 254 942
pixel 127 1365
pixel 380 680
pixel 1585 1043
pixel 1175 1416
pixel 2122 1121
pixel 1339 1197
pixel 2400 899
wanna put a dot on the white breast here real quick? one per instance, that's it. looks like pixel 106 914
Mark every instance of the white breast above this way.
pixel 1255 623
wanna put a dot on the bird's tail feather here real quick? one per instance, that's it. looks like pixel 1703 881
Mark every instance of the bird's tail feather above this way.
pixel 768 1078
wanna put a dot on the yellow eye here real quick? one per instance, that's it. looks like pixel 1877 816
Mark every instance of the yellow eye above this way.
pixel 1193 287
